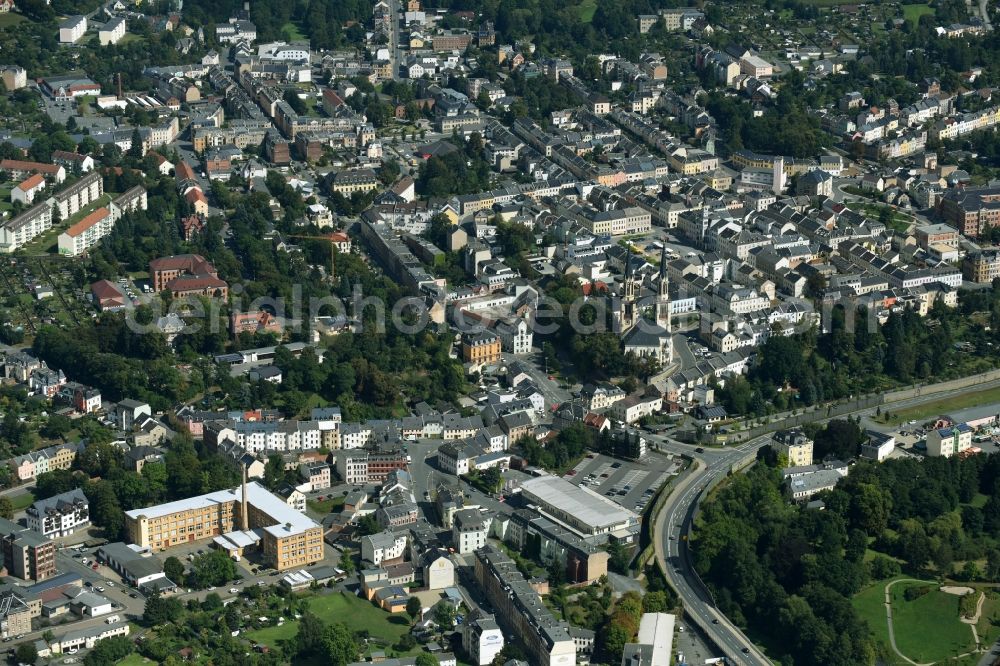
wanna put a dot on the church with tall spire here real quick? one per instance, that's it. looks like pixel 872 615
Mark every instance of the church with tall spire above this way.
pixel 644 336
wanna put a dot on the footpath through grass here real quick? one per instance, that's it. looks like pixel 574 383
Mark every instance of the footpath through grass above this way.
pixel 927 629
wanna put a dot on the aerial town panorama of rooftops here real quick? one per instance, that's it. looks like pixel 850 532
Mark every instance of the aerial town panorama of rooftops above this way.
pixel 428 333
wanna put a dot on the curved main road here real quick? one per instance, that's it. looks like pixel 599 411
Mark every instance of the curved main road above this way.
pixel 674 520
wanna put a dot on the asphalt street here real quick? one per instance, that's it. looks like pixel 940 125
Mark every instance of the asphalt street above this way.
pixel 674 521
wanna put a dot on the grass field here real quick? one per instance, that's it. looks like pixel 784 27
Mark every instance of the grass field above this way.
pixel 357 613
pixel 327 505
pixel 294 32
pixel 927 629
pixel 912 13
pixel 943 406
pixel 870 605
pixel 134 660
pixel 586 10
pixel 22 501
pixel 10 19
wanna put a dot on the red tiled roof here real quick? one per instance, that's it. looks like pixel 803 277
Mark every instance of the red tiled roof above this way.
pixel 31 182
pixel 193 282
pixel 21 165
pixel 194 195
pixel 192 263
pixel 88 221
pixel 183 171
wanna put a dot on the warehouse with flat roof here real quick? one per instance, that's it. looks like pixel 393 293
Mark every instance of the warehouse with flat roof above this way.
pixel 580 509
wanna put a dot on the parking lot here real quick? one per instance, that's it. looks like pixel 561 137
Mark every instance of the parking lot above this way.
pixel 630 484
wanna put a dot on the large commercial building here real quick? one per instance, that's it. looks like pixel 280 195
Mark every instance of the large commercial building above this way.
pixel 654 642
pixel 520 610
pixel 581 510
pixel 237 520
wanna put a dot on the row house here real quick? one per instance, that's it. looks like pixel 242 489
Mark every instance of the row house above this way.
pixel 29 466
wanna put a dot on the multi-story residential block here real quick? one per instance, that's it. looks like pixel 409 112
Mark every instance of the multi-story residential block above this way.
pixel 468 531
pixel 362 467
pixel 383 546
pixel 354 180
pixel 86 233
pixel 316 474
pixel 680 19
pixel 60 515
pixel 15 615
pixel 26 554
pixel 112 31
pixel 479 349
pixel 482 638
pixel 26 191
pixel 601 395
pixel 14 77
pixel 20 169
pixel 520 611
pixel 72 29
pixel 237 520
pixel 20 230
pixel 634 407
pixel 982 267
pixel 971 209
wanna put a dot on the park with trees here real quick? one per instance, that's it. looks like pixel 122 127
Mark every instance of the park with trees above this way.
pixel 808 584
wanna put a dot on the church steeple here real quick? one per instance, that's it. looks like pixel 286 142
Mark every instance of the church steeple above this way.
pixel 663 293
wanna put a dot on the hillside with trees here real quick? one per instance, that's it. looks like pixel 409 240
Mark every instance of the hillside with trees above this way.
pixel 788 573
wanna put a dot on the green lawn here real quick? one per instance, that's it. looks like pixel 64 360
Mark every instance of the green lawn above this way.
pixel 9 19
pixel 912 13
pixel 22 501
pixel 979 501
pixel 944 405
pixel 294 32
pixel 586 10
pixel 870 605
pixel 134 659
pixel 355 612
pixel 327 505
pixel 928 628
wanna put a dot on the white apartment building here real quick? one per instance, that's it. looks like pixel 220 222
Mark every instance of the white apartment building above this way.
pixel 387 545
pixel 112 31
pixel 72 29
pixel 516 336
pixel 60 515
pixel 482 639
pixel 86 233
pixel 468 531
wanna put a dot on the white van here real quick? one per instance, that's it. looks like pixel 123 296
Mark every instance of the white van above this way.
pixel 113 619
